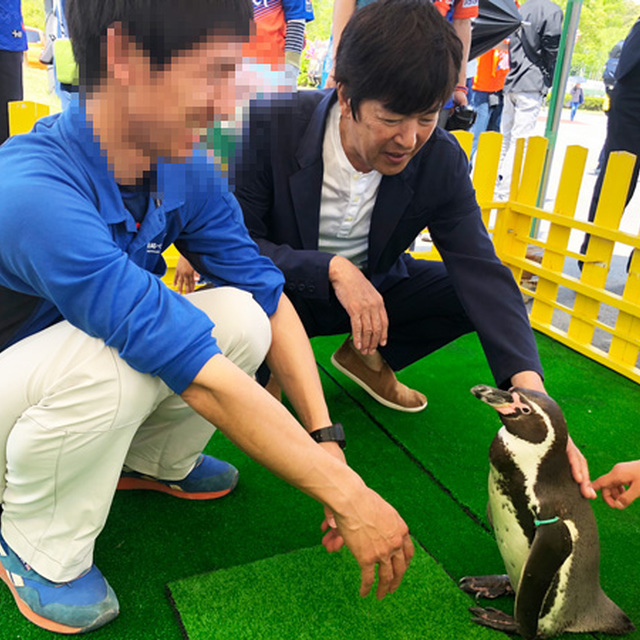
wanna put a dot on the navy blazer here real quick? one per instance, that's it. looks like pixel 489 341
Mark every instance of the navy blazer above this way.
pixel 630 56
pixel 279 184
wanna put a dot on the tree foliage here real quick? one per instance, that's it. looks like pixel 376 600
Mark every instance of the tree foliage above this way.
pixel 603 23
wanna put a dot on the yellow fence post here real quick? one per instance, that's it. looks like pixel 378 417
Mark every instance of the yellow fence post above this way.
pixel 23 114
pixel 558 237
pixel 465 140
pixel 171 257
pixel 625 345
pixel 485 170
pixel 511 236
pixel 598 258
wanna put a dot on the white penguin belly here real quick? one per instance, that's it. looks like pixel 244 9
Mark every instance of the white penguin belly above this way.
pixel 512 542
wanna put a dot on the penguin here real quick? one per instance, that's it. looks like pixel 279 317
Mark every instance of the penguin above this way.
pixel 545 530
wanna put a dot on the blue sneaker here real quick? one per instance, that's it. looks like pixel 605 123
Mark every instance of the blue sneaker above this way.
pixel 209 479
pixel 83 604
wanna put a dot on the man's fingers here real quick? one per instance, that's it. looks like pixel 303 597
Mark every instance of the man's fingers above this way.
pixel 384 327
pixel 332 541
pixel 385 578
pixel 356 330
pixel 574 461
pixel 368 576
pixel 400 563
pixel 580 470
pixel 407 546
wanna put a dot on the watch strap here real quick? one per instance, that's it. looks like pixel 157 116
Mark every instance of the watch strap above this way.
pixel 333 433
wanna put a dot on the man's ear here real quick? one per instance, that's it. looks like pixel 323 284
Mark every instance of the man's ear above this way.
pixel 124 57
pixel 343 101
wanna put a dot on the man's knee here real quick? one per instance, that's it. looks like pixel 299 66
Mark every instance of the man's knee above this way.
pixel 74 382
pixel 242 328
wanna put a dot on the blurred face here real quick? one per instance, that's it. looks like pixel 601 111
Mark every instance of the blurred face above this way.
pixel 381 139
pixel 167 108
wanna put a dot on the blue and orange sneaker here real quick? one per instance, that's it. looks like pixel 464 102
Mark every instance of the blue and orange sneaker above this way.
pixel 209 479
pixel 81 605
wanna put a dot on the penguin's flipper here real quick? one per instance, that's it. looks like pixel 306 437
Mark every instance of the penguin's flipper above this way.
pixel 551 546
pixel 487 586
pixel 494 619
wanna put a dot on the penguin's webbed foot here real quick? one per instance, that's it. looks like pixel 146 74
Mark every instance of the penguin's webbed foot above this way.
pixel 494 619
pixel 487 586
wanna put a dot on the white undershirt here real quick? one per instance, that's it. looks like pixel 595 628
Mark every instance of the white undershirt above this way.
pixel 348 198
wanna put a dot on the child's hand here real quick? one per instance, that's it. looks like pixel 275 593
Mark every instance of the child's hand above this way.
pixel 621 486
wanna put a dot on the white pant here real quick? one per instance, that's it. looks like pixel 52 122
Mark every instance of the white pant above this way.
pixel 72 412
pixel 519 118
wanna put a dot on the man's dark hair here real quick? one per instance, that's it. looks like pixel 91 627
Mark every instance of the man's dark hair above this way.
pixel 401 52
pixel 161 27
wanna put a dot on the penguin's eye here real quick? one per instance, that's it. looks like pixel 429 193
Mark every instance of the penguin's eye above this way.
pixel 525 409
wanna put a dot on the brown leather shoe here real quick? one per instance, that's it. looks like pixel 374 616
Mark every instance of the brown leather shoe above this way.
pixel 377 378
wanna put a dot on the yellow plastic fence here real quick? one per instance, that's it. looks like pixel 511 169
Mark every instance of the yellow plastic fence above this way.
pixel 511 223
pixel 23 115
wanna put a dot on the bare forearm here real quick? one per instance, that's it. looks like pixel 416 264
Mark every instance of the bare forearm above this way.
pixel 259 425
pixel 342 12
pixel 462 27
pixel 292 361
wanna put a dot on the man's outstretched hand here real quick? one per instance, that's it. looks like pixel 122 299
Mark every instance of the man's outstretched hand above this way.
pixel 385 545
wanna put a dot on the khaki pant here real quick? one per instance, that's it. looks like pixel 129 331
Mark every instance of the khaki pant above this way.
pixel 72 412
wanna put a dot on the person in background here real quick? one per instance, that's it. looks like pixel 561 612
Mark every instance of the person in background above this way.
pixel 577 98
pixel 487 100
pixel 623 124
pixel 459 13
pixel 13 44
pixel 533 51
pixel 609 79
pixel 280 33
pixel 56 30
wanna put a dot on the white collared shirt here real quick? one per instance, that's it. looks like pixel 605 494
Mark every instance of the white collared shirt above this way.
pixel 348 198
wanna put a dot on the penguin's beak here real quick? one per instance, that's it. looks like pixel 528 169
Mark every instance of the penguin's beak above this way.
pixel 496 398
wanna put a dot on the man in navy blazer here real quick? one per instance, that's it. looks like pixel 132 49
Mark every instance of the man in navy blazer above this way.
pixel 335 186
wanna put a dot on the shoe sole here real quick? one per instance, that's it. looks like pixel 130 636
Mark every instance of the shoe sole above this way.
pixel 372 393
pixel 45 623
pixel 126 484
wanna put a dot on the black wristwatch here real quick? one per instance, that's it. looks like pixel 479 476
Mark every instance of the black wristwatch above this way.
pixel 334 433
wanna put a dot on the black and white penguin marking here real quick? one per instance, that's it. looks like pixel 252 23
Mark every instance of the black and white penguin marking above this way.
pixel 545 529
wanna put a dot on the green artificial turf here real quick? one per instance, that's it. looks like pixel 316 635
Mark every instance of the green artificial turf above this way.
pixel 308 595
pixel 431 466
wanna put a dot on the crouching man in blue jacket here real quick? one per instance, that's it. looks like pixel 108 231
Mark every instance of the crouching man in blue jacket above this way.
pixel 108 378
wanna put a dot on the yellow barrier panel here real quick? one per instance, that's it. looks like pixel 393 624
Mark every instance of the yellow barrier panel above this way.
pixel 512 236
pixel 558 237
pixel 590 290
pixel 171 256
pixel 465 140
pixel 23 115
pixel 598 259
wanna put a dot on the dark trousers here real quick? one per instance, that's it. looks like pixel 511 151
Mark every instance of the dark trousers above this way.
pixel 10 86
pixel 424 314
pixel 623 134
